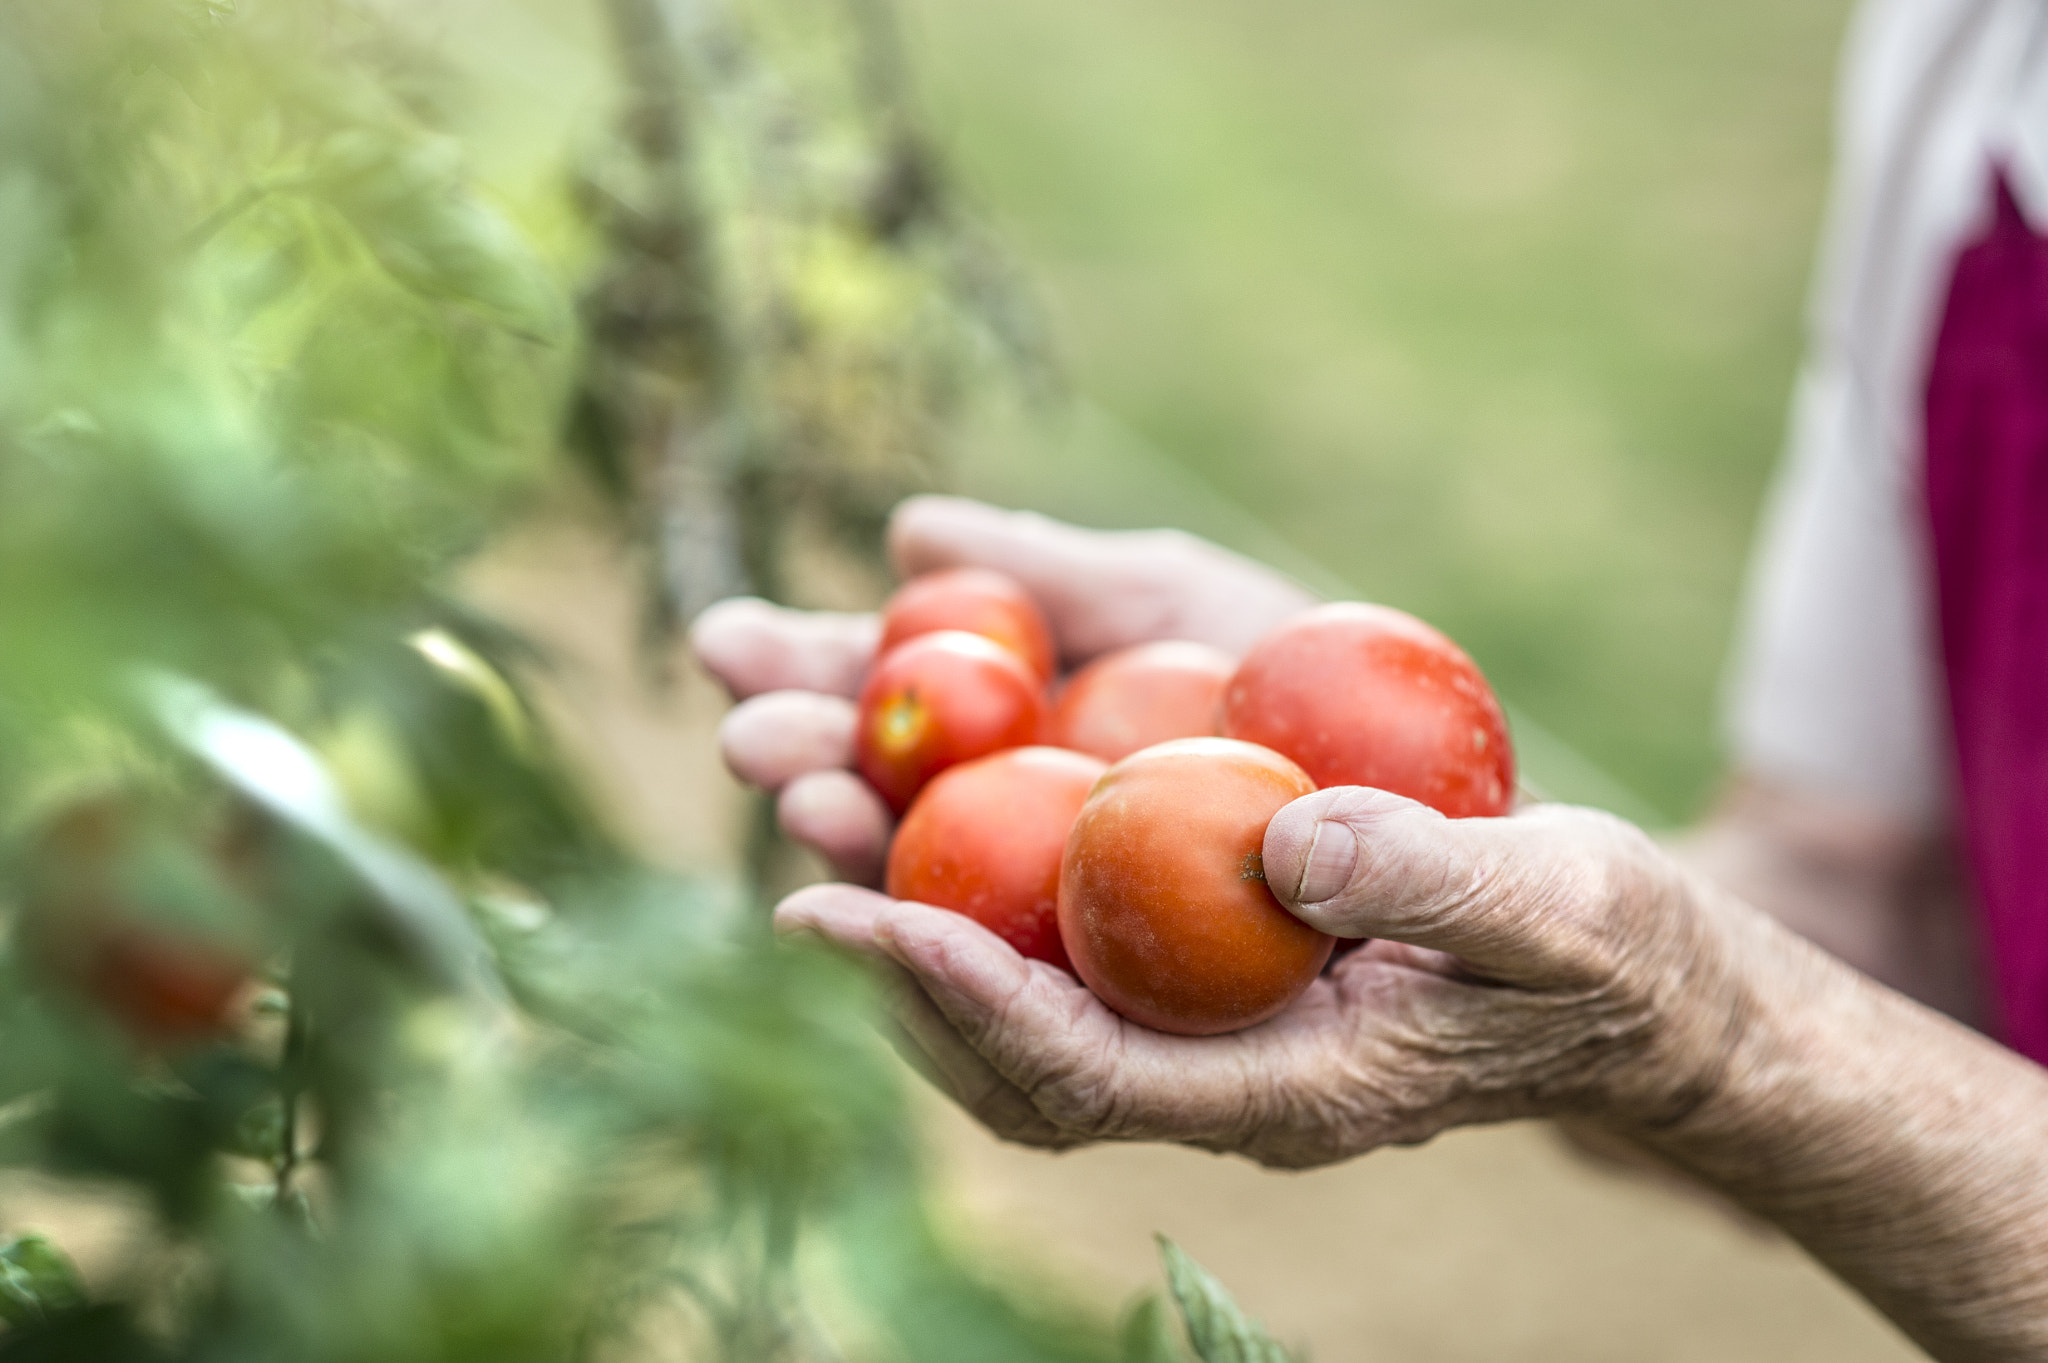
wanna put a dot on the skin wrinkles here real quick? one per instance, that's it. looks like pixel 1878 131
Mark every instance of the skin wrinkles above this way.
pixel 1907 1198
pixel 1055 1079
pixel 1462 1050
pixel 926 1032
pixel 1552 962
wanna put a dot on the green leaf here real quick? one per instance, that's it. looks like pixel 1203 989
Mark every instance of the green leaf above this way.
pixel 101 1334
pixel 1145 1336
pixel 37 1281
pixel 1217 1326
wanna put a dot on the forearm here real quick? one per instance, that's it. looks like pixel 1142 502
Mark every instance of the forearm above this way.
pixel 1906 1152
pixel 1881 892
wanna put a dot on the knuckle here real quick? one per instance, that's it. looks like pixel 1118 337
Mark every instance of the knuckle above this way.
pixel 1593 904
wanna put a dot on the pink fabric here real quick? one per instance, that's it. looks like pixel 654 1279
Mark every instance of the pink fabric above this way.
pixel 1987 499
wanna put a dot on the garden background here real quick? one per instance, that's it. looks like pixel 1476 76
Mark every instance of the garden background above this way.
pixel 1487 310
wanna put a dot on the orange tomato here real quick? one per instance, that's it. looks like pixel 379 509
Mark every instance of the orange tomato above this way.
pixel 1163 903
pixel 1138 696
pixel 985 838
pixel 978 601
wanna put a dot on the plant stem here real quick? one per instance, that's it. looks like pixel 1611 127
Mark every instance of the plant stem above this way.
pixel 290 1087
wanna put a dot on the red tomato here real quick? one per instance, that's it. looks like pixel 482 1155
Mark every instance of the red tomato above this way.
pixel 163 988
pixel 975 600
pixel 940 700
pixel 164 981
pixel 1365 695
pixel 985 838
pixel 1135 697
pixel 1163 901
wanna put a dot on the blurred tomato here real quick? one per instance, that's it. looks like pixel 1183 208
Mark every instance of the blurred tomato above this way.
pixel 1163 902
pixel 940 700
pixel 985 838
pixel 162 987
pixel 1364 695
pixel 978 601
pixel 1138 696
pixel 91 925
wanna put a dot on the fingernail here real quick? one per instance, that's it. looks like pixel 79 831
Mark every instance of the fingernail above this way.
pixel 1332 857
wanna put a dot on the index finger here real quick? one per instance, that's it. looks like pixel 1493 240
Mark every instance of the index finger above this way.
pixel 1101 589
pixel 754 646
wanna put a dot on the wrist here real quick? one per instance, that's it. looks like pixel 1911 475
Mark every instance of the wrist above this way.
pixel 1755 1006
pixel 1695 996
pixel 1898 1146
pixel 1901 1149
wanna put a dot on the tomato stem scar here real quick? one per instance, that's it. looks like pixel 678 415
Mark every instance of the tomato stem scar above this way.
pixel 902 722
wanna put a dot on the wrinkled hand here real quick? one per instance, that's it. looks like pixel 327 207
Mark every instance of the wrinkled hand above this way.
pixel 1552 962
pixel 795 672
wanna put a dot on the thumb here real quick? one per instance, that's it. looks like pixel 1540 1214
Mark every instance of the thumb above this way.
pixel 1526 899
pixel 1101 589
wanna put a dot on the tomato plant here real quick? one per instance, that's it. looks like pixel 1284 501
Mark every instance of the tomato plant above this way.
pixel 92 927
pixel 1163 903
pixel 1364 695
pixel 977 600
pixel 985 838
pixel 1138 696
pixel 940 700
pixel 162 987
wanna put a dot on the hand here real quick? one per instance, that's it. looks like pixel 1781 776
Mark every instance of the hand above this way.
pixel 1551 962
pixel 795 672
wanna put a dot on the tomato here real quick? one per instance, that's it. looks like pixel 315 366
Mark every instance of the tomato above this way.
pixel 88 925
pixel 940 700
pixel 163 988
pixel 1138 696
pixel 985 838
pixel 1365 695
pixel 978 601
pixel 1163 901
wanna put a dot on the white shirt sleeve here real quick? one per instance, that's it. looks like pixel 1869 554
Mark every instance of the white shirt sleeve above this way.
pixel 1835 683
pixel 1834 686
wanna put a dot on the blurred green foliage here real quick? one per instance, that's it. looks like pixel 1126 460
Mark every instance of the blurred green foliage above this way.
pixel 1490 308
pixel 36 1281
pixel 311 942
pixel 299 305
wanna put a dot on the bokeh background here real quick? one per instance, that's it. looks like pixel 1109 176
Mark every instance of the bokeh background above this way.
pixel 1487 310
